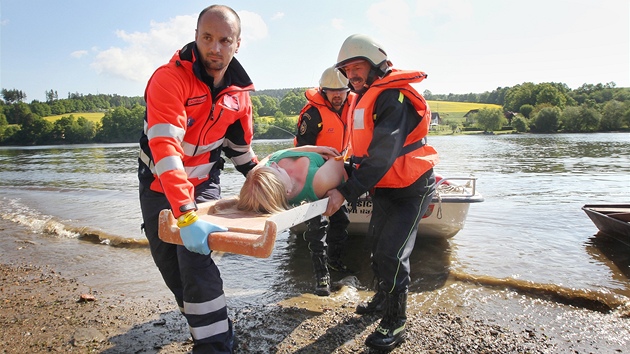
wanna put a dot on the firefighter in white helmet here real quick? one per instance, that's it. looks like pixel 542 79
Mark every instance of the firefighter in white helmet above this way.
pixel 324 122
pixel 393 161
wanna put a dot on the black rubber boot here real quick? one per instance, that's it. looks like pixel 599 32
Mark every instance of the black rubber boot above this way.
pixel 391 331
pixel 375 304
pixel 322 277
pixel 335 253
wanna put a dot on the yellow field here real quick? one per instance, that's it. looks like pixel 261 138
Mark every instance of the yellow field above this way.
pixel 456 110
pixel 447 110
pixel 91 116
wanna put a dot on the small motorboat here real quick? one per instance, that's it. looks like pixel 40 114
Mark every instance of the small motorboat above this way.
pixel 611 219
pixel 445 216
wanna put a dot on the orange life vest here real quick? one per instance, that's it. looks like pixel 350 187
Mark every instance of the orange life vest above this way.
pixel 335 132
pixel 410 166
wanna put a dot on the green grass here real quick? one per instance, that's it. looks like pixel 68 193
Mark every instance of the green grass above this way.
pixel 90 116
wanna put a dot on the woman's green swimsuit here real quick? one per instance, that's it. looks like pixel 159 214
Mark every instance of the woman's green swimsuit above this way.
pixel 316 161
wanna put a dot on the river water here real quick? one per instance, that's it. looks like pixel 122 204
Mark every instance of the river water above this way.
pixel 529 241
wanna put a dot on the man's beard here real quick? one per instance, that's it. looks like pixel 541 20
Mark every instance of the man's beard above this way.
pixel 213 65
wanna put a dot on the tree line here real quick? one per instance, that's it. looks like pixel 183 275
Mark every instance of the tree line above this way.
pixel 554 107
pixel 528 107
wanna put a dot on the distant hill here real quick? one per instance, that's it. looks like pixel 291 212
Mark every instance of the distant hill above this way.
pixel 277 93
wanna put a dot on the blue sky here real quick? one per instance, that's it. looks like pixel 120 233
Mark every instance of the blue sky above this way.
pixel 113 46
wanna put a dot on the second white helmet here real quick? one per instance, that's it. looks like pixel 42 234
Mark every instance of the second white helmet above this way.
pixel 332 79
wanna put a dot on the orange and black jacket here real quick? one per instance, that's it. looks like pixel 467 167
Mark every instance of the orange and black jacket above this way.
pixel 189 123
pixel 389 125
pixel 320 124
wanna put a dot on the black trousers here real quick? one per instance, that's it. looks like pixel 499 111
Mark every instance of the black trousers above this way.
pixel 393 228
pixel 193 278
pixel 322 233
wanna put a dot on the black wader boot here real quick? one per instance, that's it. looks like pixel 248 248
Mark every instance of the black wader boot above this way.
pixel 375 304
pixel 335 253
pixel 391 331
pixel 322 277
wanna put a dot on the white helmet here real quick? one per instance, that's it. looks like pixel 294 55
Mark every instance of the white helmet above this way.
pixel 332 79
pixel 359 46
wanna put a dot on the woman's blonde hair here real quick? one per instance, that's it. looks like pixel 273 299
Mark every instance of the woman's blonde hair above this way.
pixel 263 192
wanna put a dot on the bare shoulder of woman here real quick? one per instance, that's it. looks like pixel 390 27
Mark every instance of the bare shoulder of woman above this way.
pixel 328 177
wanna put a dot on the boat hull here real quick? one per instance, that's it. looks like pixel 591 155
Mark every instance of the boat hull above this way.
pixel 444 218
pixel 611 219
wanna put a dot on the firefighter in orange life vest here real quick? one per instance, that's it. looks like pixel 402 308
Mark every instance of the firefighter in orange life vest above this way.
pixel 390 122
pixel 324 121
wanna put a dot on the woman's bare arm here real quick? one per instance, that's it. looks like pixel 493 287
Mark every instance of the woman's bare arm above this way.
pixel 328 177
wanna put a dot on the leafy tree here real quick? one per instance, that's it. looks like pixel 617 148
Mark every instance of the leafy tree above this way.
pixel 547 120
pixel 547 93
pixel 519 95
pixel 453 124
pixel 8 134
pixel 292 103
pixel 68 130
pixel 41 109
pixel 520 123
pixel 490 119
pixel 256 106
pixel 122 125
pixel 613 116
pixel 13 96
pixel 17 113
pixel 526 110
pixel 269 106
pixel 581 119
pixel 35 131
pixel 51 96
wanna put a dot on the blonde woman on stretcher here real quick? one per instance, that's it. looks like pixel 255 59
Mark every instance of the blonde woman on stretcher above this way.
pixel 291 176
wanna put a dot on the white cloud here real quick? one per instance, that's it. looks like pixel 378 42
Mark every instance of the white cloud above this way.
pixel 145 51
pixel 277 16
pixel 337 23
pixel 79 53
pixel 253 27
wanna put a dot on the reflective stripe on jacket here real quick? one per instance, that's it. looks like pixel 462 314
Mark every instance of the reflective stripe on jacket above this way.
pixel 410 166
pixel 186 130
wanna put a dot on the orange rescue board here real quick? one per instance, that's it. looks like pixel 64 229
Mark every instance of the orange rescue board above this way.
pixel 249 233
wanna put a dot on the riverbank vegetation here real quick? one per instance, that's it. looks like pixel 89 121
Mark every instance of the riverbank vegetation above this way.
pixel 528 107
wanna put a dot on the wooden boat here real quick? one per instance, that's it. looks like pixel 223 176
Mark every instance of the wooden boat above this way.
pixel 611 219
pixel 445 217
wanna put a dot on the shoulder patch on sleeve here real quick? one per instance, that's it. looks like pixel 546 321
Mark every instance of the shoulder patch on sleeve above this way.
pixel 303 127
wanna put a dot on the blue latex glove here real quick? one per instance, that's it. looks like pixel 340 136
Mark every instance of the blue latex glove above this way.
pixel 195 235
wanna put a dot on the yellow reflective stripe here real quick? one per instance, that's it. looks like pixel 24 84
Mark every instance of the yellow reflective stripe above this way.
pixel 401 97
pixel 169 163
pixel 166 131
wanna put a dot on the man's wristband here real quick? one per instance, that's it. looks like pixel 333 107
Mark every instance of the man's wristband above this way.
pixel 187 219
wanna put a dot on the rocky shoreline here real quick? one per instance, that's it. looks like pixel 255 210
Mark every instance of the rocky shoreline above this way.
pixel 41 311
